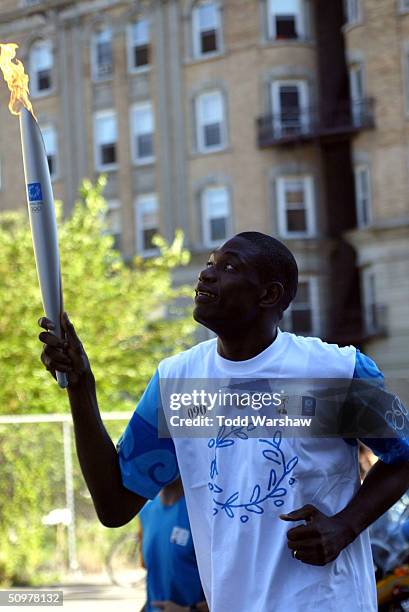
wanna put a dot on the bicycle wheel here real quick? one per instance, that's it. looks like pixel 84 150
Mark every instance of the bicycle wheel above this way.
pixel 123 562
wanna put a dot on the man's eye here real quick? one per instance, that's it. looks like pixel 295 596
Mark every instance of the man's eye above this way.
pixel 209 263
pixel 229 267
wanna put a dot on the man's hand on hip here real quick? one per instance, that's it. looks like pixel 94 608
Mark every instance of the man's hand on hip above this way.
pixel 321 539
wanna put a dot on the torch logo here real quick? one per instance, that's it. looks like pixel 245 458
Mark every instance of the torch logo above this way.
pixel 34 192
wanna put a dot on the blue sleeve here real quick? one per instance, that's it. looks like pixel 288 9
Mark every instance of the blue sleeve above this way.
pixel 394 448
pixel 147 462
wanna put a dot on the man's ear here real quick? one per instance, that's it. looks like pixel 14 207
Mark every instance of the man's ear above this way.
pixel 272 295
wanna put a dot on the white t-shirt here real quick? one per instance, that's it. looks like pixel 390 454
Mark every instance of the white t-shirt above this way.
pixel 236 487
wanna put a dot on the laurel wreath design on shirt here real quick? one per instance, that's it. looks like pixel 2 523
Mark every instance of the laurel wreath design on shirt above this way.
pixel 279 473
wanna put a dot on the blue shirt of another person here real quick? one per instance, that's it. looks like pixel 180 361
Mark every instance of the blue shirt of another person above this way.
pixel 168 553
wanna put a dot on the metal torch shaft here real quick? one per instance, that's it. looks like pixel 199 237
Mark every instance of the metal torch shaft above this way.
pixel 43 223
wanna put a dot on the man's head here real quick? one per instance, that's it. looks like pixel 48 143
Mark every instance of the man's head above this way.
pixel 251 277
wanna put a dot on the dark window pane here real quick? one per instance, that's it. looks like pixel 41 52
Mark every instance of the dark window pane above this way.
pixel 212 135
pixel 290 109
pixel 51 164
pixel 301 321
pixel 104 58
pixel 208 41
pixel 296 221
pixel 44 80
pixel 148 234
pixel 141 56
pixel 108 154
pixel 218 228
pixel 285 26
pixel 145 145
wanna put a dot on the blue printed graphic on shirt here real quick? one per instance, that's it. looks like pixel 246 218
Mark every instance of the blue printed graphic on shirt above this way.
pixel 147 462
pixel 396 447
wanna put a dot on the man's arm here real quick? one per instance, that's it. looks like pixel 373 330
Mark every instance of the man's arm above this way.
pixel 323 537
pixel 114 503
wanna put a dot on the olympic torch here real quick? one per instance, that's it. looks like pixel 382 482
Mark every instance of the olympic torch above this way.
pixel 40 198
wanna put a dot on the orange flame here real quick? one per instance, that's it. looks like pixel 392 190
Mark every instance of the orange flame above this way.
pixel 16 79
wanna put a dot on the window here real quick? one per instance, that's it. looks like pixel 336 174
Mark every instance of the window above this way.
pixel 41 66
pixel 105 136
pixel 369 299
pixel 352 11
pixel 147 223
pixel 206 29
pixel 301 317
pixel 362 195
pixel 211 131
pixel 139 45
pixel 296 210
pixel 356 87
pixel 50 143
pixel 113 221
pixel 215 215
pixel 291 114
pixel 101 49
pixel 286 19
pixel 143 127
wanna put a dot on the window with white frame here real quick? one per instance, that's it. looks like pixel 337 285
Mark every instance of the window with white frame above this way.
pixel 371 317
pixel 302 316
pixel 113 222
pixel 206 28
pixel 286 19
pixel 143 128
pixel 147 223
pixel 50 143
pixel 352 10
pixel 356 89
pixel 296 206
pixel 41 67
pixel 290 107
pixel 215 215
pixel 101 50
pixel 139 44
pixel 105 140
pixel 362 195
pixel 210 121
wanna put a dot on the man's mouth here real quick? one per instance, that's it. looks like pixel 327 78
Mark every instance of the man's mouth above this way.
pixel 202 295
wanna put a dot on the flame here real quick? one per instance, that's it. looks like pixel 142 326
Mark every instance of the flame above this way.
pixel 16 79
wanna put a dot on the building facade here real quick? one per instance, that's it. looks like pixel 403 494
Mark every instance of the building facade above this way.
pixel 219 116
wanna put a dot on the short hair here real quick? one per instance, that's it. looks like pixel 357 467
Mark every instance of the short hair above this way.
pixel 277 264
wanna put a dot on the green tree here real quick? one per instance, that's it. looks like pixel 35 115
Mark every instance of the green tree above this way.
pixel 127 316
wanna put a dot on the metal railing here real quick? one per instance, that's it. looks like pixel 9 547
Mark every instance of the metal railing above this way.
pixel 302 124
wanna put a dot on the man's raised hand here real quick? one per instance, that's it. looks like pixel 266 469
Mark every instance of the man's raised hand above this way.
pixel 65 355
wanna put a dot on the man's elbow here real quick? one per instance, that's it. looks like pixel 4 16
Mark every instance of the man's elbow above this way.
pixel 127 506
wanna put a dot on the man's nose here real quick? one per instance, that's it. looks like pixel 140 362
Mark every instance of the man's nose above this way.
pixel 207 275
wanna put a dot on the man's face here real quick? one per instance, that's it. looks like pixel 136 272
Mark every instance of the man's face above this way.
pixel 229 289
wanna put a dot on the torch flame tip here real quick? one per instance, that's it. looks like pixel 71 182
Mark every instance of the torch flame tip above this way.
pixel 16 78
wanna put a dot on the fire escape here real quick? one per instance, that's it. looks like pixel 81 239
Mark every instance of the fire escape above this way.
pixel 331 125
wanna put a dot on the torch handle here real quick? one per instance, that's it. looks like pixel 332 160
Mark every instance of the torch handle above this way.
pixel 62 379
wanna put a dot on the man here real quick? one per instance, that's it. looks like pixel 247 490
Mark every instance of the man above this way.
pixel 173 581
pixel 249 561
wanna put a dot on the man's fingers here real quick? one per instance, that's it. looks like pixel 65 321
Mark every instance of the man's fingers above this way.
pixel 71 334
pixel 302 532
pixel 51 339
pixel 46 323
pixel 305 545
pixel 304 513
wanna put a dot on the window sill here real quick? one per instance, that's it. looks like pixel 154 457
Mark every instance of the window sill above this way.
pixel 141 70
pixel 293 42
pixel 348 27
pixel 102 80
pixel 111 168
pixel 204 58
pixel 37 95
pixel 144 163
pixel 218 151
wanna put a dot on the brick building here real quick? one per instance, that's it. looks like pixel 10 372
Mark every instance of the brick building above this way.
pixel 217 116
